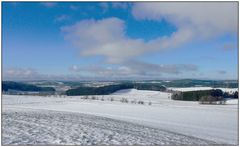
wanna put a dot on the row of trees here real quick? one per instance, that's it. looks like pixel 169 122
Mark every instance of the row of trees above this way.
pixel 123 100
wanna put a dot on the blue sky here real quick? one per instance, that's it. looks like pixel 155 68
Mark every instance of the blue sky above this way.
pixel 111 41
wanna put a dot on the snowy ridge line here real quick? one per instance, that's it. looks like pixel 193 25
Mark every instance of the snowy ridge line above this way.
pixel 34 127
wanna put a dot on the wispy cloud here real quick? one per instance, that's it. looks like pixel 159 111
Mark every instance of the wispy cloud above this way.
pixel 26 74
pixel 20 73
pixel 104 6
pixel 156 69
pixel 229 46
pixel 61 18
pixel 134 69
pixel 222 72
pixel 14 3
pixel 49 4
pixel 122 5
pixel 73 7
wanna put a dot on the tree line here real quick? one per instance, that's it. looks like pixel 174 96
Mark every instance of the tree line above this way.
pixel 6 85
pixel 105 90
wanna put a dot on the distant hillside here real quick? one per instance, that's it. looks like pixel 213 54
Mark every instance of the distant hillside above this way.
pixel 6 85
pixel 202 83
pixel 197 95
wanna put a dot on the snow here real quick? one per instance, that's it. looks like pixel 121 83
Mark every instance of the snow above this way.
pixel 155 97
pixel 135 92
pixel 229 90
pixel 190 88
pixel 209 123
pixel 33 127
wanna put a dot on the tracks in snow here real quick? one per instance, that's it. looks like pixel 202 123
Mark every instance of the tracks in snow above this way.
pixel 44 127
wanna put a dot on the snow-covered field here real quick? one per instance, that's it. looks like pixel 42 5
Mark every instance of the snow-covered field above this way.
pixel 39 120
pixel 45 127
pixel 229 90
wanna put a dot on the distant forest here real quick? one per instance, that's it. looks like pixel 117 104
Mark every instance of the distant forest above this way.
pixel 104 90
pixel 203 83
pixel 18 86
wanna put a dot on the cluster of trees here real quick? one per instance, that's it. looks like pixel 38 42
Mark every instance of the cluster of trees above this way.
pixel 149 86
pixel 233 95
pixel 197 95
pixel 190 95
pixel 125 100
pixel 105 90
pixel 7 85
pixel 212 100
pixel 220 93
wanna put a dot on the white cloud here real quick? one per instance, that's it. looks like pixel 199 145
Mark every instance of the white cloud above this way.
pixel 194 20
pixel 206 19
pixel 107 38
pixel 103 37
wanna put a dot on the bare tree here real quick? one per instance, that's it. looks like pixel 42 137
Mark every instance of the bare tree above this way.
pixel 111 99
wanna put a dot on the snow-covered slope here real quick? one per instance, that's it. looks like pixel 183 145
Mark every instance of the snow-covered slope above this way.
pixel 217 123
pixel 135 92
